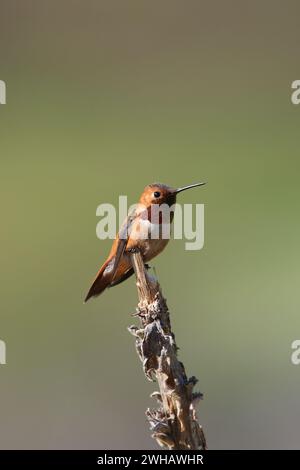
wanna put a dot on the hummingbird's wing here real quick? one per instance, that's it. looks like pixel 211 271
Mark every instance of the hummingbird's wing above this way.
pixel 115 262
pixel 122 240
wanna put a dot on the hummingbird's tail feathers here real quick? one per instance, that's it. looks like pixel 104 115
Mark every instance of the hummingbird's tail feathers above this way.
pixel 107 276
pixel 123 278
pixel 101 282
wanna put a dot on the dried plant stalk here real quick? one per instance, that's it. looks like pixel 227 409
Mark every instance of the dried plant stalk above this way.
pixel 174 424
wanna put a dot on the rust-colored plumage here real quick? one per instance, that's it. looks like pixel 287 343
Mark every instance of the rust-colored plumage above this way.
pixel 136 233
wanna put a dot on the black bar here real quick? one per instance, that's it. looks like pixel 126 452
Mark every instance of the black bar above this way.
pixel 133 459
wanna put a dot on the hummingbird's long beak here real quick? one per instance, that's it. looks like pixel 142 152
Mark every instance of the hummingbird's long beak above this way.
pixel 188 187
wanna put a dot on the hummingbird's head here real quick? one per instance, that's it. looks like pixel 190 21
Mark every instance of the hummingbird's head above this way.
pixel 158 193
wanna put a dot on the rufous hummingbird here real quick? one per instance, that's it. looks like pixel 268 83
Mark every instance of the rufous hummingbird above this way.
pixel 131 236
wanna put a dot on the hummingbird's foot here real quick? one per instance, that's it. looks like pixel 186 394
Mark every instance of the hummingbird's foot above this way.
pixel 147 266
pixel 133 250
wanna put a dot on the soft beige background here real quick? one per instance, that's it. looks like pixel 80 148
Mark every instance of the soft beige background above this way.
pixel 103 98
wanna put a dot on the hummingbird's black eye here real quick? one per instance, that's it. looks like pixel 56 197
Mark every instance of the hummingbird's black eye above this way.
pixel 156 193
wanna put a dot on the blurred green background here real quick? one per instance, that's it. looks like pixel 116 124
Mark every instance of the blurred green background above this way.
pixel 104 97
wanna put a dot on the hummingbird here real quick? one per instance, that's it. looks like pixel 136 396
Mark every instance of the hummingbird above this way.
pixel 135 235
